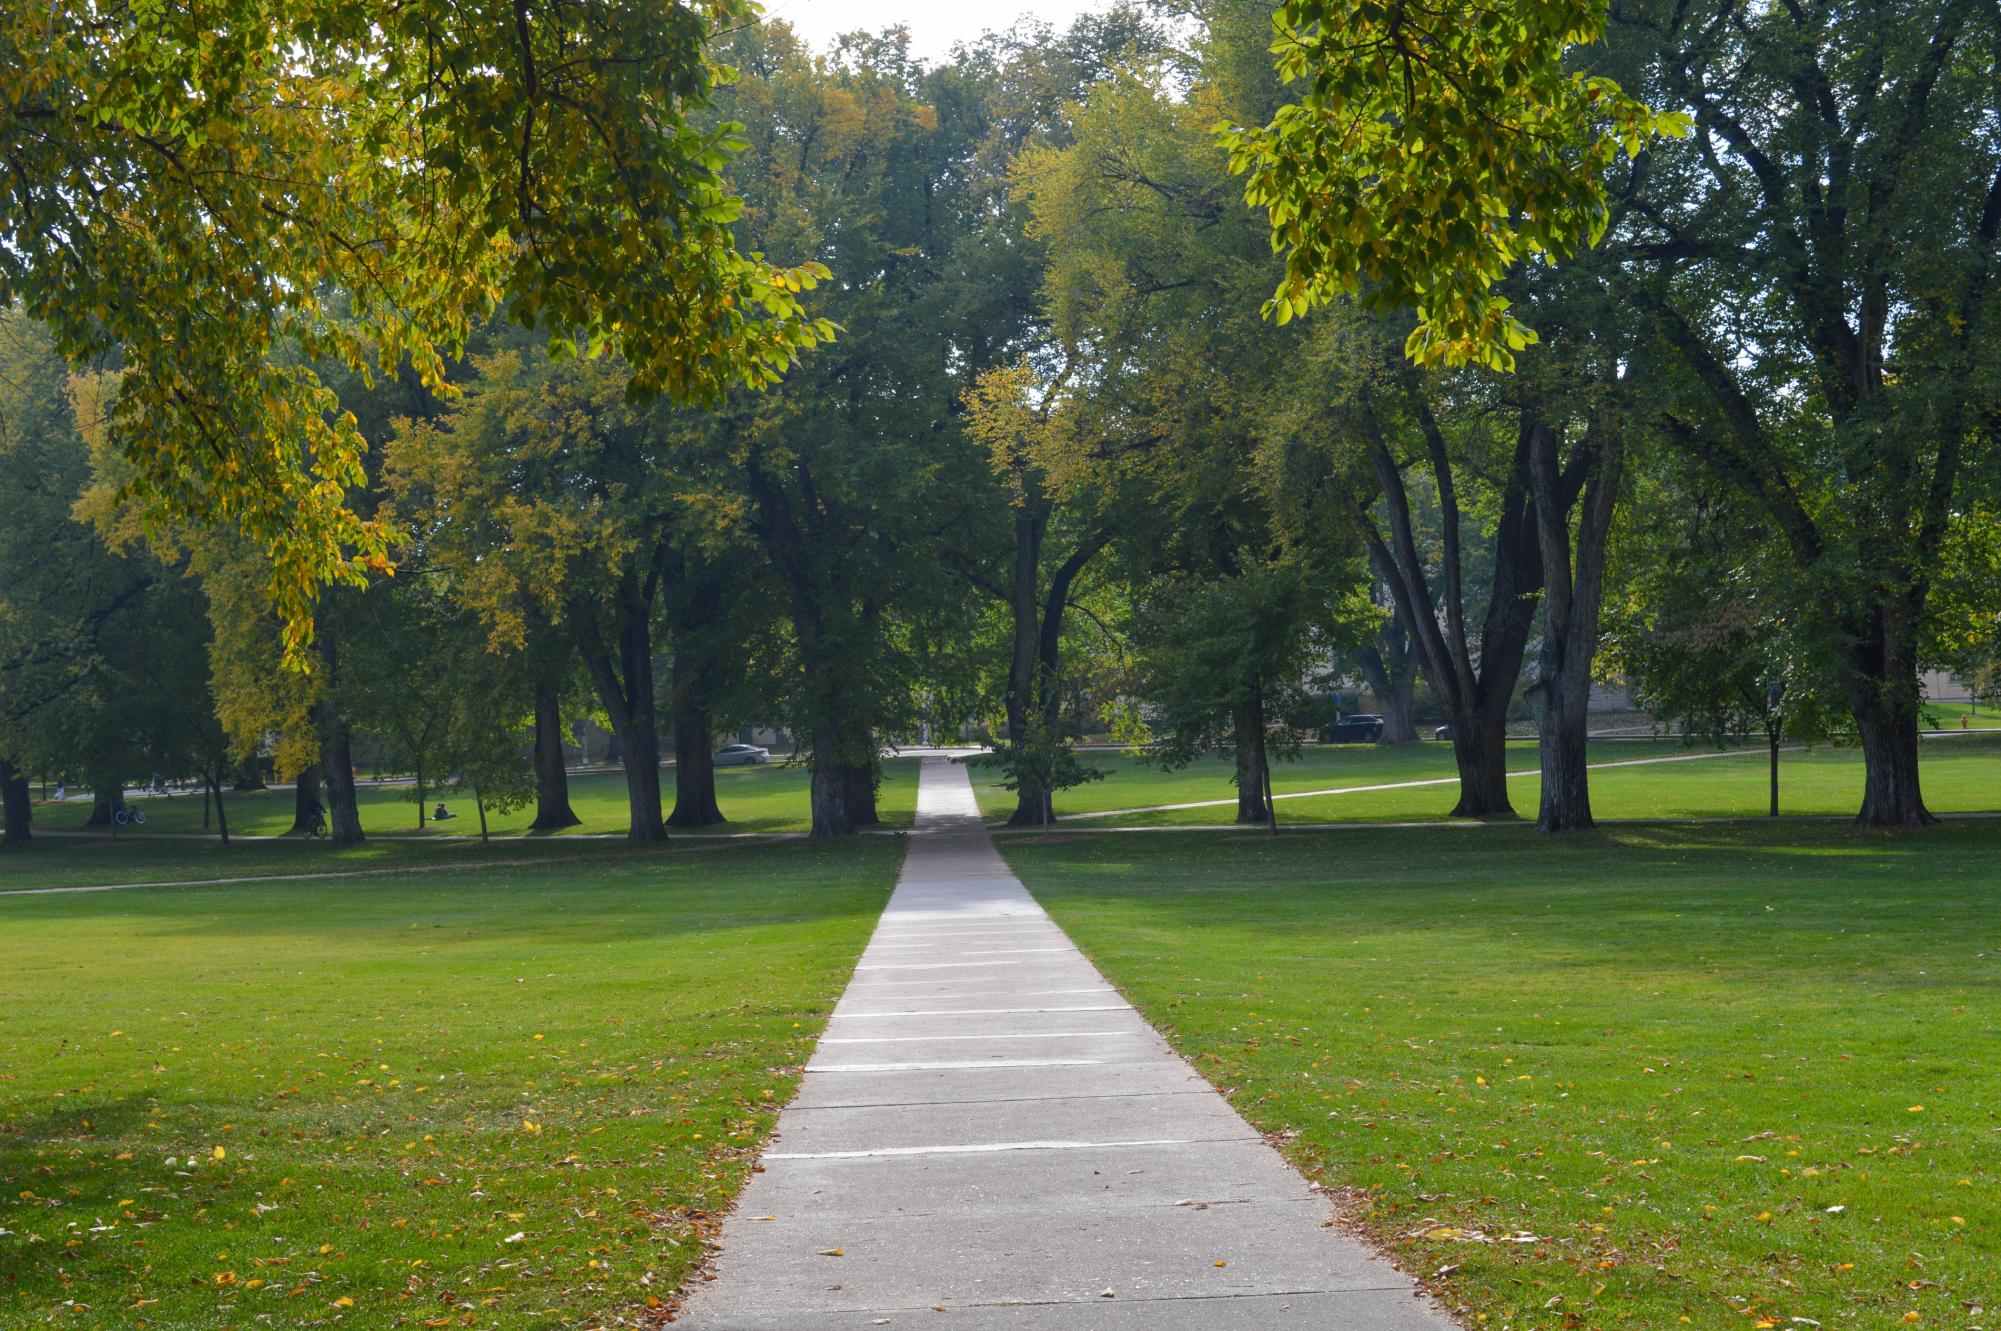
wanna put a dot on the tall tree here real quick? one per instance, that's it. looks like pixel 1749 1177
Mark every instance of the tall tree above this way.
pixel 855 472
pixel 1822 260
pixel 1151 284
pixel 556 503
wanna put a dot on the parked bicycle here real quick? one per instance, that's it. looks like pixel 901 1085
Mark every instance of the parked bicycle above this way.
pixel 316 824
pixel 126 814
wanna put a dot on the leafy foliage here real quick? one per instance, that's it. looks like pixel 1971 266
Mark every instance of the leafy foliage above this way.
pixel 217 190
pixel 1431 149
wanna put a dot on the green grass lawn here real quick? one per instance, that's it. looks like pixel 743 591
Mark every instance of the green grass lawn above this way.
pixel 771 798
pixel 1727 1075
pixel 501 1095
pixel 1960 775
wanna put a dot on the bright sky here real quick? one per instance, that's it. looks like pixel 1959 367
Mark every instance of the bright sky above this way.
pixel 935 25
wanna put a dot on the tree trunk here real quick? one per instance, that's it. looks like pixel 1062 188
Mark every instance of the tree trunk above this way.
pixel 1389 664
pixel 861 779
pixel 1474 685
pixel 830 801
pixel 1888 727
pixel 479 802
pixel 336 750
pixel 108 799
pixel 305 794
pixel 1033 805
pixel 221 814
pixel 625 687
pixel 694 769
pixel 15 799
pixel 552 778
pixel 1399 704
pixel 422 810
pixel 1562 738
pixel 337 765
pixel 1031 517
pixel 1772 735
pixel 1573 582
pixel 1480 749
pixel 639 756
pixel 1251 763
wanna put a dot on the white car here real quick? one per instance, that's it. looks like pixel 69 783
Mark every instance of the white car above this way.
pixel 740 755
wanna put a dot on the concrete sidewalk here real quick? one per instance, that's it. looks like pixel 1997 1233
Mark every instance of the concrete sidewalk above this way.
pixel 988 1136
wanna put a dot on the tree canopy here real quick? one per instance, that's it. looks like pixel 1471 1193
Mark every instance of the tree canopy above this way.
pixel 227 193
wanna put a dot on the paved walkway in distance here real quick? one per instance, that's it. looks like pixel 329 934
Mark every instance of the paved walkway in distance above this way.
pixel 988 1136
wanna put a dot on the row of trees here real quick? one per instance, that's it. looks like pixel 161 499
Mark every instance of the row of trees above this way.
pixel 1062 467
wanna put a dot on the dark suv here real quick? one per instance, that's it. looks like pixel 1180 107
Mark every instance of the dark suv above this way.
pixel 1361 728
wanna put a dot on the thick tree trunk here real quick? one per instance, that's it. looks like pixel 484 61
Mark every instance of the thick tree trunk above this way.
pixel 15 799
pixel 337 765
pixel 108 798
pixel 1480 749
pixel 305 794
pixel 1252 767
pixel 336 751
pixel 830 801
pixel 1033 805
pixel 1888 728
pixel 1573 582
pixel 552 778
pixel 1475 685
pixel 861 778
pixel 479 802
pixel 1566 775
pixel 639 756
pixel 625 687
pixel 1398 704
pixel 694 769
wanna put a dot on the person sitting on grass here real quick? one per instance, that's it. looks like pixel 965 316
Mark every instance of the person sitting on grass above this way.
pixel 442 815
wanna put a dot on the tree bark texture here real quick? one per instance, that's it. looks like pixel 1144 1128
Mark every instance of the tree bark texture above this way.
pixel 694 768
pixel 107 797
pixel 336 752
pixel 830 801
pixel 622 673
pixel 305 794
pixel 552 777
pixel 1389 665
pixel 1573 593
pixel 1034 671
pixel 1252 763
pixel 1887 725
pixel 1476 696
